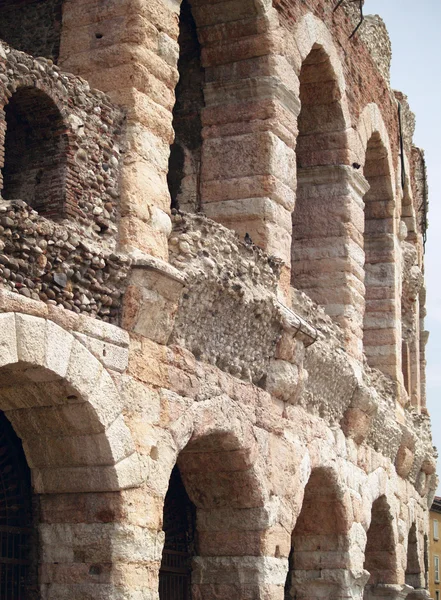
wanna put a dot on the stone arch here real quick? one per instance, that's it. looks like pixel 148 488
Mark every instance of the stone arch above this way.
pixel 240 171
pixel 65 407
pixel 35 152
pixel 381 324
pixel 320 550
pixel 312 33
pixel 380 558
pixel 218 461
pixel 411 284
pixel 325 255
pixel 371 122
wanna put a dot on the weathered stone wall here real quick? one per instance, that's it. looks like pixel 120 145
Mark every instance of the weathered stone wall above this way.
pixel 301 439
pixel 91 130
pixel 72 262
pixel 58 264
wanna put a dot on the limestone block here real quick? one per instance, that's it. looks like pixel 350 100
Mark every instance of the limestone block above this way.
pixel 111 356
pixel 245 569
pixel 57 348
pixel 246 155
pixel 152 298
pixel 139 398
pixel 11 302
pixel 126 474
pixel 141 184
pixel 218 519
pixel 141 109
pixel 148 146
pixel 31 339
pixel 59 420
pixel 259 186
pixel 135 234
pixel 104 397
pixel 404 461
pixel 103 331
pixel 8 339
pixel 56 542
pixel 84 370
pixel 285 380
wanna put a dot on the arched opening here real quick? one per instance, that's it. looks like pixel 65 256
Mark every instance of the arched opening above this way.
pixel 414 576
pixel 18 536
pixel 324 250
pixel 321 142
pixel 179 525
pixel 411 279
pixel 319 550
pixel 185 152
pixel 32 27
pixel 65 408
pixel 210 522
pixel 35 161
pixel 380 553
pixel 381 338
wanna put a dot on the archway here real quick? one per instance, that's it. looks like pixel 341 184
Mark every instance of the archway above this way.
pixel 321 142
pixel 320 545
pixel 185 153
pixel 35 152
pixel 381 336
pixel 18 534
pixel 64 406
pixel 411 283
pixel 380 552
pixel 179 525
pixel 213 499
pixel 324 255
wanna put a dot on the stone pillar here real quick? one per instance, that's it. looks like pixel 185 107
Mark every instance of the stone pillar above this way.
pixel 327 250
pixel 242 553
pixel 128 49
pixel 324 584
pixel 248 175
pixel 97 546
pixel 386 591
pixel 415 365
pixel 423 339
pixel 223 578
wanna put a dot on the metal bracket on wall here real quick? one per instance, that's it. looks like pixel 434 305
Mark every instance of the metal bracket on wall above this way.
pixel 361 2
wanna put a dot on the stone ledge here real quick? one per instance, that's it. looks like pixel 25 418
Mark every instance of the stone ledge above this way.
pixel 12 302
pixel 294 324
pixel 150 263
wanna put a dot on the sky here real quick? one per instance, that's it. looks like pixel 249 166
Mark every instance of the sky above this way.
pixel 415 30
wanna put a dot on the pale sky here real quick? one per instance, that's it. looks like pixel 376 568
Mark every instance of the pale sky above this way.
pixel 415 31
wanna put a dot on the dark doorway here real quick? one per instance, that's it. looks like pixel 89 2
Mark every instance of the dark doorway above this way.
pixel 185 153
pixel 179 547
pixel 35 153
pixel 17 535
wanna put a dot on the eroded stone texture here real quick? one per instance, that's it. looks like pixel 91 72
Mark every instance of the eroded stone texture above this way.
pixel 265 353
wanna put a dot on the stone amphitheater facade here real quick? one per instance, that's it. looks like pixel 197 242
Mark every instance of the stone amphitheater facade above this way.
pixel 212 304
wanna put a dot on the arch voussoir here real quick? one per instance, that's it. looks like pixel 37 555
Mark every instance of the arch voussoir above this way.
pixel 66 408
